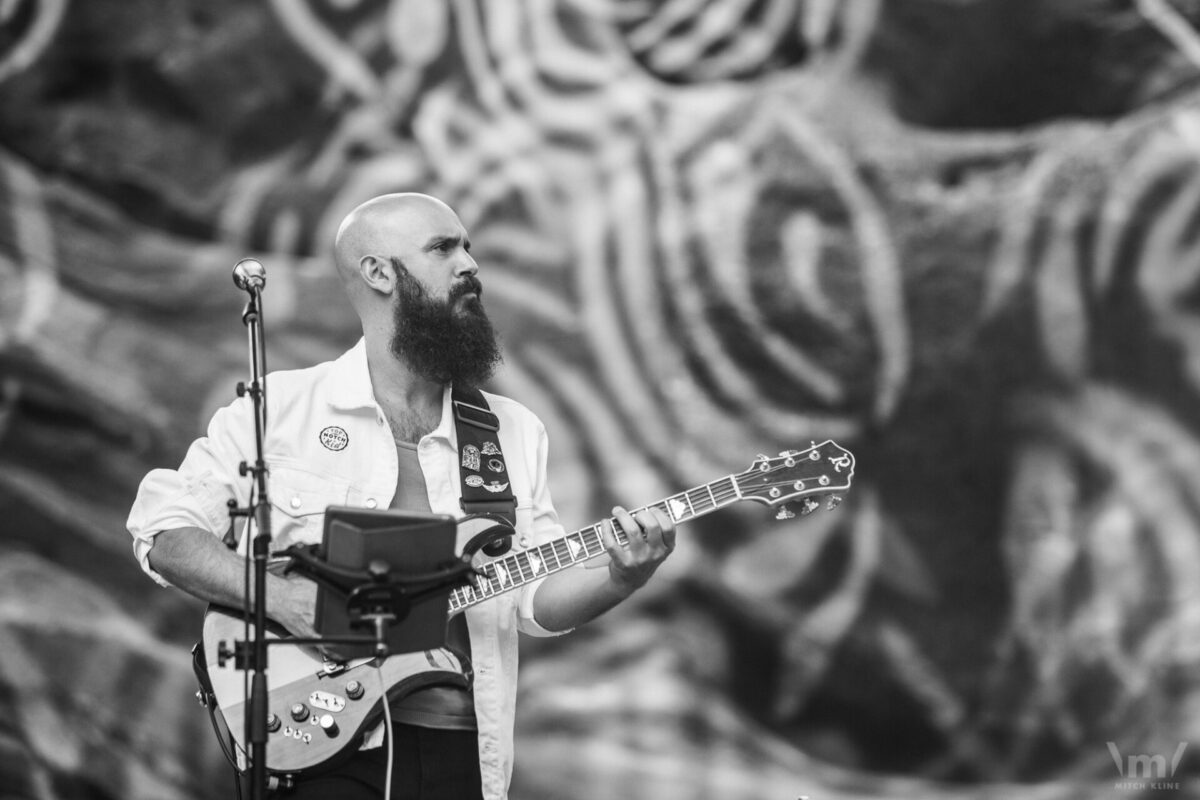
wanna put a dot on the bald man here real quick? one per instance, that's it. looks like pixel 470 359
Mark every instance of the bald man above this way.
pixel 375 428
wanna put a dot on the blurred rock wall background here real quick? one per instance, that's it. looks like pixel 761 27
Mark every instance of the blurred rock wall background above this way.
pixel 961 237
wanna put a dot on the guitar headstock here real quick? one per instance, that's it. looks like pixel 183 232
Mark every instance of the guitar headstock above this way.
pixel 823 469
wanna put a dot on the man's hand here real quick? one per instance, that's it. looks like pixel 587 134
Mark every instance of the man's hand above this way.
pixel 292 602
pixel 651 535
pixel 572 597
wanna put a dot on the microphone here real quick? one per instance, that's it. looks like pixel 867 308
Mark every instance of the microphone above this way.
pixel 249 275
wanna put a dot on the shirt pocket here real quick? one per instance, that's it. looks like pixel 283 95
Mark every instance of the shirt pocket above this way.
pixel 299 498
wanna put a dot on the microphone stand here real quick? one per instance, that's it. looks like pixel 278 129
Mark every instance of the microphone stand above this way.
pixel 250 276
pixel 377 597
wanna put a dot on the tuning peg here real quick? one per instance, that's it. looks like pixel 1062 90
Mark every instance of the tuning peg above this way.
pixel 833 502
pixel 810 506
pixel 785 513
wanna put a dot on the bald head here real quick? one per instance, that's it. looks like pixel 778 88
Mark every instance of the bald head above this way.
pixel 382 225
pixel 400 237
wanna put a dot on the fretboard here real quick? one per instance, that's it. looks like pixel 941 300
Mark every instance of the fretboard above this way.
pixel 519 568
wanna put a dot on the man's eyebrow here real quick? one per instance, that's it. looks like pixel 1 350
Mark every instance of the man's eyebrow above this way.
pixel 450 238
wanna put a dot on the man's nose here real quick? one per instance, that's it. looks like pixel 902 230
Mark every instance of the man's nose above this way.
pixel 466 265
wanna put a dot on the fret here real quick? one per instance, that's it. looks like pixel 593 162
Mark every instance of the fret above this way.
pixel 501 573
pixel 698 503
pixel 576 546
pixel 552 551
pixel 481 584
pixel 562 553
pixel 522 567
pixel 595 539
pixel 676 508
pixel 737 490
pixel 618 533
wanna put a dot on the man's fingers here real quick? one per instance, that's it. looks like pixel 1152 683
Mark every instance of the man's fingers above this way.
pixel 659 528
pixel 633 533
pixel 651 527
pixel 615 550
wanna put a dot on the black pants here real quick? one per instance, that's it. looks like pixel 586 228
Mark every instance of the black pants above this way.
pixel 428 764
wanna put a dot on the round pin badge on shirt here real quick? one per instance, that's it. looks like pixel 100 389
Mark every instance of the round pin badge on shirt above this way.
pixel 335 438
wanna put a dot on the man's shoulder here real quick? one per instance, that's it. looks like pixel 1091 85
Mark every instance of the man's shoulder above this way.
pixel 302 375
pixel 506 407
pixel 311 375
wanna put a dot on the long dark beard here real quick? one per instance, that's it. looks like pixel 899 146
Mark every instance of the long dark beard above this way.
pixel 438 342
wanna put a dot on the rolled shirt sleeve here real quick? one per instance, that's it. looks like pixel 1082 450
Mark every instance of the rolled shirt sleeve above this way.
pixel 195 495
pixel 543 523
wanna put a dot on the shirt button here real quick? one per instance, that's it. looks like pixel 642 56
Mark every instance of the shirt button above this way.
pixel 372 502
pixel 296 501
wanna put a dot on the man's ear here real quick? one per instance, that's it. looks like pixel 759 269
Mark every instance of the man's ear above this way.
pixel 377 273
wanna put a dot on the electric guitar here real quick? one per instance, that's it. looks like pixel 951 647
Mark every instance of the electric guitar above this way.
pixel 319 708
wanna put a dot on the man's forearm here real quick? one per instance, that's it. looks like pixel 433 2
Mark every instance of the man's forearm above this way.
pixel 570 598
pixel 198 563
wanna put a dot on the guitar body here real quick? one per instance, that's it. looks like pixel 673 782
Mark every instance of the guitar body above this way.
pixel 298 676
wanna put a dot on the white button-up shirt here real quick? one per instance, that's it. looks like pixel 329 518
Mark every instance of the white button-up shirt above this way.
pixel 327 443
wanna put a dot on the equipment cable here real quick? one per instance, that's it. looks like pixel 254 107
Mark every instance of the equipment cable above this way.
pixel 391 743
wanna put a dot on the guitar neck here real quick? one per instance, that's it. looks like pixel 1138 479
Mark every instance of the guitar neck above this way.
pixel 517 569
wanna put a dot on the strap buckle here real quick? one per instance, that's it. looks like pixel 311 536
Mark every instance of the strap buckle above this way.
pixel 476 416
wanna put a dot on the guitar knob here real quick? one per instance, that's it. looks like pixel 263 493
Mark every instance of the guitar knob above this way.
pixel 810 506
pixel 833 502
pixel 354 690
pixel 329 725
pixel 274 723
pixel 785 513
pixel 299 712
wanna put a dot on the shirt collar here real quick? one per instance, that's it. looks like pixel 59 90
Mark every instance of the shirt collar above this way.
pixel 352 388
pixel 352 380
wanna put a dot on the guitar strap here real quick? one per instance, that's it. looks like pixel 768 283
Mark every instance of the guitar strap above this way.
pixel 486 488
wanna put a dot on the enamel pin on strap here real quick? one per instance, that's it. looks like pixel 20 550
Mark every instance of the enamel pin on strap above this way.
pixel 484 474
